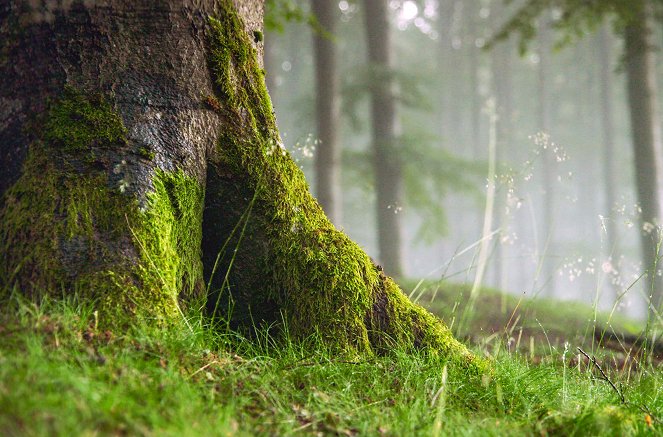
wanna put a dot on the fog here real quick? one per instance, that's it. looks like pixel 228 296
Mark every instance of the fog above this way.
pixel 518 167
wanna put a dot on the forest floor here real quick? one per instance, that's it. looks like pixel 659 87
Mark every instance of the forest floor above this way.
pixel 62 375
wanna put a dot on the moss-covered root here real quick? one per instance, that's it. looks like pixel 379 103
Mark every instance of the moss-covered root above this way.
pixel 68 224
pixel 395 320
pixel 321 280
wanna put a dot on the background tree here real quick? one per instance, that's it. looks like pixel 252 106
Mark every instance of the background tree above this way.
pixel 634 20
pixel 502 82
pixel 546 246
pixel 606 68
pixel 328 151
pixel 646 130
pixel 385 131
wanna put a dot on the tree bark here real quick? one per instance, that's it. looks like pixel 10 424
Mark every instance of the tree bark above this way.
pixel 327 104
pixel 646 134
pixel 146 173
pixel 384 122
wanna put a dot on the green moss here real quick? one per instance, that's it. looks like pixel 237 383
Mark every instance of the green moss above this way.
pixel 324 282
pixel 80 123
pixel 257 36
pixel 146 153
pixel 65 230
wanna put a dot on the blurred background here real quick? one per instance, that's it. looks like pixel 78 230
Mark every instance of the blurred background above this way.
pixel 474 141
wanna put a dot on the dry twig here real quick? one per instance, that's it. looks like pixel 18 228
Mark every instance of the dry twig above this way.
pixel 645 409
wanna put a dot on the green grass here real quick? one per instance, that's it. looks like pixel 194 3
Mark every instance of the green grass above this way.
pixel 549 322
pixel 60 375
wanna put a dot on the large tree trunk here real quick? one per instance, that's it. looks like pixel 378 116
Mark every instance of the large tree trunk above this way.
pixel 144 162
pixel 327 104
pixel 646 133
pixel 384 121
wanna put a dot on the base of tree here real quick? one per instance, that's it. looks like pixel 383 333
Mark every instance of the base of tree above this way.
pixel 76 222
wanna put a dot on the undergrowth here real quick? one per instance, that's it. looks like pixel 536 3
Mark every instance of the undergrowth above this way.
pixel 60 374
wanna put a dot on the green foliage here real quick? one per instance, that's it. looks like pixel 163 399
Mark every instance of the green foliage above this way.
pixel 573 18
pixel 62 375
pixel 413 89
pixel 278 13
pixel 430 173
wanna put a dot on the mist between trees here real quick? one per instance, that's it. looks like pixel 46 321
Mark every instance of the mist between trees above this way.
pixel 512 144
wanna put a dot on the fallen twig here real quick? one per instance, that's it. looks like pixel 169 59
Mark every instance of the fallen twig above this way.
pixel 603 375
pixel 645 409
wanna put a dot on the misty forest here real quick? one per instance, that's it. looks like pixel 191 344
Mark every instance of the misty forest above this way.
pixel 331 217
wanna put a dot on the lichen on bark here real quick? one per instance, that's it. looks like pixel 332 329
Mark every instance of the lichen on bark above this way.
pixel 66 226
pixel 318 280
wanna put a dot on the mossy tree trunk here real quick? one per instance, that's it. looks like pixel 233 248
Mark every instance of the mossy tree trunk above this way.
pixel 146 171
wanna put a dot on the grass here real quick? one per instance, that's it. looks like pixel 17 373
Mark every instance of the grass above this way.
pixel 549 322
pixel 60 375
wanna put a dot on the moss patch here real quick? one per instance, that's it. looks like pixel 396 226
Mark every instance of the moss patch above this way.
pixel 64 228
pixel 80 123
pixel 323 282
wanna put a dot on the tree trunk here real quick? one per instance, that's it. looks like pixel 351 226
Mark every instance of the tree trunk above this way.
pixel 547 233
pixel 386 156
pixel 471 10
pixel 137 173
pixel 646 133
pixel 445 69
pixel 606 68
pixel 328 153
pixel 502 59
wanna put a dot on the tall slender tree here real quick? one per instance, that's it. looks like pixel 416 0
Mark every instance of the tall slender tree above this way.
pixel 646 132
pixel 502 75
pixel 471 16
pixel 635 20
pixel 327 104
pixel 544 115
pixel 385 131
pixel 606 68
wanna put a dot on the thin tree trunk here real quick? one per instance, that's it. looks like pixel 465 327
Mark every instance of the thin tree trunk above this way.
pixel 457 59
pixel 444 64
pixel 471 16
pixel 646 133
pixel 384 119
pixel 328 152
pixel 547 234
pixel 502 57
pixel 606 68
